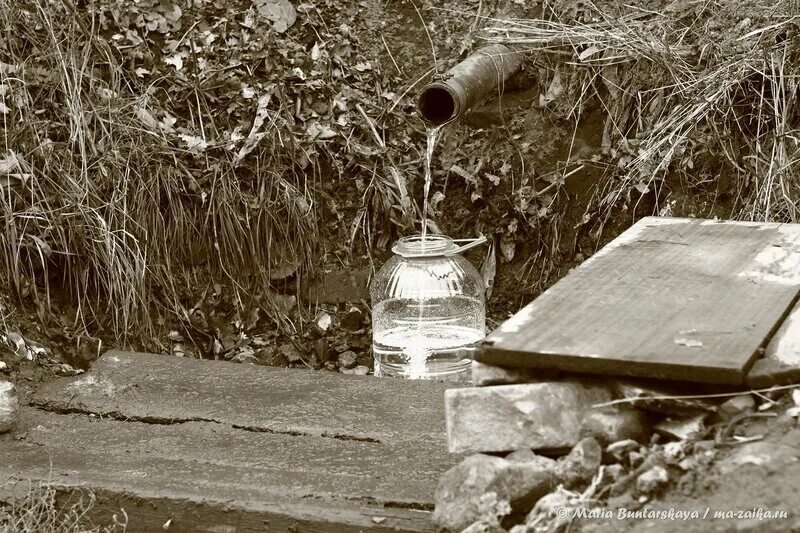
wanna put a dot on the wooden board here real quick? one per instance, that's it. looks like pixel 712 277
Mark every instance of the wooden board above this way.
pixel 670 298
pixel 218 446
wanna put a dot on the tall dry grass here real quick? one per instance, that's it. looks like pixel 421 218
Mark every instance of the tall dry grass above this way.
pixel 39 510
pixel 102 204
pixel 691 83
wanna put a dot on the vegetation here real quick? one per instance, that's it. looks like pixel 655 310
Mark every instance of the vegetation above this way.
pixel 40 511
pixel 701 92
pixel 164 161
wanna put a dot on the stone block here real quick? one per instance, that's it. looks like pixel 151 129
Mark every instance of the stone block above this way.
pixel 540 416
pixel 737 405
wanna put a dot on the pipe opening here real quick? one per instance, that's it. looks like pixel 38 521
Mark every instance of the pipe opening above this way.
pixel 437 105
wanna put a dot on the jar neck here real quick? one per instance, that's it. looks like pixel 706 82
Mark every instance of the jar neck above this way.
pixel 415 246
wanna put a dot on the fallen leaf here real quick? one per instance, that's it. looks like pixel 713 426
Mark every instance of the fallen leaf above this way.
pixel 146 118
pixel 255 135
pixel 508 247
pixel 9 163
pixel 468 176
pixel 280 12
pixel 435 200
pixel 315 130
pixel 316 52
pixel 167 124
pixel 589 52
pixel 6 68
pixel 195 145
pixel 554 90
pixel 176 61
pixel 324 321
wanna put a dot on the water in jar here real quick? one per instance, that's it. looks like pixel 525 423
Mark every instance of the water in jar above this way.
pixel 429 338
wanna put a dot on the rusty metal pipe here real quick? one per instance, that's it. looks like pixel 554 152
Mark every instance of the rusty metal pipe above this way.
pixel 467 84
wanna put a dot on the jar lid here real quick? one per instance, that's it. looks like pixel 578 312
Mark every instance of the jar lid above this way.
pixel 433 246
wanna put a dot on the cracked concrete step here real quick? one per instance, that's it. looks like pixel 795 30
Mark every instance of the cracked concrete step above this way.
pixel 313 451
pixel 162 389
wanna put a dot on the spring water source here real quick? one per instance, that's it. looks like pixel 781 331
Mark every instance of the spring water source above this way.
pixel 428 304
pixel 432 138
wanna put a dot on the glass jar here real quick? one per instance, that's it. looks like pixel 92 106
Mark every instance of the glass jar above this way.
pixel 428 310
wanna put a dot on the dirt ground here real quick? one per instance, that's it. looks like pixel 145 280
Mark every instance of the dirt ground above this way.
pixel 512 133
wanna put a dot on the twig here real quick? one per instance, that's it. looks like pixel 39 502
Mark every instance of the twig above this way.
pixel 399 70
pixel 694 396
pixel 371 125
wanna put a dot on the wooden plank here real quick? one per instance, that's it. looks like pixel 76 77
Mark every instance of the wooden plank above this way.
pixel 156 388
pixel 235 479
pixel 680 299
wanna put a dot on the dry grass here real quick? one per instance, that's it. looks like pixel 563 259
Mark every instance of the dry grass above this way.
pixel 101 201
pixel 39 511
pixel 704 89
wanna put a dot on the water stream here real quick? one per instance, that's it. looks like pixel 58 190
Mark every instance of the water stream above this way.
pixel 433 137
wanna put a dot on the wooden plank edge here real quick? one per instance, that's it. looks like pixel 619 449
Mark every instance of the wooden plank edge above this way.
pixel 571 363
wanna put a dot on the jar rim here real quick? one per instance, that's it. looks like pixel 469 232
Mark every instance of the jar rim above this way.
pixel 431 246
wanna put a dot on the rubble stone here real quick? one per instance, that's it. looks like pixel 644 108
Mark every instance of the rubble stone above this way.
pixel 703 446
pixel 352 320
pixel 635 459
pixel 652 480
pixel 737 405
pixel 348 359
pixel 615 471
pixel 484 375
pixel 460 488
pixel 581 464
pixel 357 371
pixel 291 353
pixel 540 416
pixel 522 455
pixel 682 428
pixel 609 426
pixel 618 449
pixel 9 404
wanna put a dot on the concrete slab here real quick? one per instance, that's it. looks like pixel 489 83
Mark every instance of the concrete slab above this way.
pixel 161 389
pixel 225 447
